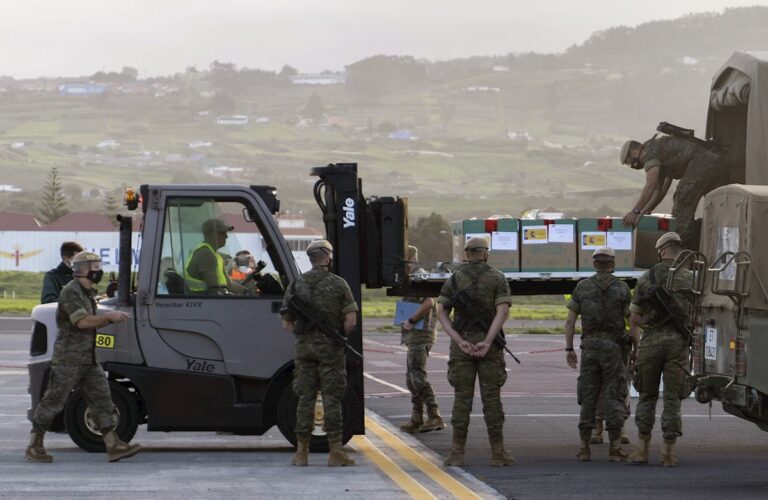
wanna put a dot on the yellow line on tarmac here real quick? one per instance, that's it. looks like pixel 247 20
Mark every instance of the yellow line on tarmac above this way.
pixel 412 487
pixel 449 484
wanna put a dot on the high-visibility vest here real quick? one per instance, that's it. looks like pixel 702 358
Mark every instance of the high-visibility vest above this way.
pixel 198 285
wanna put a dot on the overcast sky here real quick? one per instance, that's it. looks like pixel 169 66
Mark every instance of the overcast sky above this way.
pixel 57 37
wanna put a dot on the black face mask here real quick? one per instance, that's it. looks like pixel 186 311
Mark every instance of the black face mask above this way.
pixel 95 276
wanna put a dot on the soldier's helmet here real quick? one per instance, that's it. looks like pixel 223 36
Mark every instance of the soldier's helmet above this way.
pixel 413 252
pixel 626 149
pixel 604 253
pixel 668 239
pixel 320 246
pixel 83 259
pixel 476 242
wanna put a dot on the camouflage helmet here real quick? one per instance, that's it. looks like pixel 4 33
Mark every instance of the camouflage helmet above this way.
pixel 320 246
pixel 476 242
pixel 84 259
pixel 626 149
pixel 668 239
pixel 604 253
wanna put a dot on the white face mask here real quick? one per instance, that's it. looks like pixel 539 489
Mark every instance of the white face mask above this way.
pixel 244 269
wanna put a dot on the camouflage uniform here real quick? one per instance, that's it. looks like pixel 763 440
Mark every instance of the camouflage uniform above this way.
pixel 320 362
pixel 699 171
pixel 490 288
pixel 419 343
pixel 663 351
pixel 74 362
pixel 603 302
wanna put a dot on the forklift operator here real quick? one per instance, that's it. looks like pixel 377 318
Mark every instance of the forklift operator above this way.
pixel 204 271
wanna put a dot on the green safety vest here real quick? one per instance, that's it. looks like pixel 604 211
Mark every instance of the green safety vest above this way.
pixel 199 286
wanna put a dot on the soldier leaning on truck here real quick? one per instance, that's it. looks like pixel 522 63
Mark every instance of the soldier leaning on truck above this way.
pixel 419 342
pixel 663 350
pixel 320 362
pixel 602 300
pixel 74 363
pixel 56 278
pixel 667 158
pixel 473 353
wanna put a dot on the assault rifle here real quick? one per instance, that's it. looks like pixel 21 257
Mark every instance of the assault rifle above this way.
pixel 668 303
pixel 468 303
pixel 311 319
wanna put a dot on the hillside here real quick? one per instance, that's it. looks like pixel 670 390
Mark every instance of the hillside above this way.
pixel 470 137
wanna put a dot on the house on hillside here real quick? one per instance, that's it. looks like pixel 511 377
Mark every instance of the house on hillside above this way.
pixel 82 89
pixel 322 79
pixel 232 120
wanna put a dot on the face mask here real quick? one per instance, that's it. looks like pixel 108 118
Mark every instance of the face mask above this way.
pixel 243 269
pixel 95 276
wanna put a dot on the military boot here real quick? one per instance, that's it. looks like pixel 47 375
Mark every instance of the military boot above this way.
pixel 624 437
pixel 640 453
pixel 668 458
pixel 36 451
pixel 615 453
pixel 584 454
pixel 456 455
pixel 301 457
pixel 499 457
pixel 415 423
pixel 336 455
pixel 434 420
pixel 597 433
pixel 116 448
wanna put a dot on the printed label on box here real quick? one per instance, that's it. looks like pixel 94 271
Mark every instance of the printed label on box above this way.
pixel 503 241
pixel 561 233
pixel 592 240
pixel 620 240
pixel 534 235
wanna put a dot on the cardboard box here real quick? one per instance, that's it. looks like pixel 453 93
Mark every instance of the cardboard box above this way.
pixel 548 245
pixel 649 230
pixel 503 237
pixel 605 231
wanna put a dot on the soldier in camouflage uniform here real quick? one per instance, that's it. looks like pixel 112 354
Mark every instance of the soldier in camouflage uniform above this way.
pixel 664 159
pixel 74 364
pixel 663 351
pixel 320 362
pixel 603 303
pixel 473 353
pixel 419 342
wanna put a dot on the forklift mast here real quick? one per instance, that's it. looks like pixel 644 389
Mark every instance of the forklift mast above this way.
pixel 369 239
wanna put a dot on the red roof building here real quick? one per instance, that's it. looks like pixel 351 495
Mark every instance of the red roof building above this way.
pixel 11 221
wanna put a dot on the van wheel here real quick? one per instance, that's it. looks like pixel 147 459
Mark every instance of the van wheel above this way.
pixel 286 418
pixel 81 426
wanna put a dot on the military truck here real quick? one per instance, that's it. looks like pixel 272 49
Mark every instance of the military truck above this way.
pixel 731 318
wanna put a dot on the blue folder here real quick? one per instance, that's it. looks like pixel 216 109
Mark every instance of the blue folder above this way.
pixel 404 310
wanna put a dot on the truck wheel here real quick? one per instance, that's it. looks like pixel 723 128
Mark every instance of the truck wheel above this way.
pixel 286 419
pixel 82 428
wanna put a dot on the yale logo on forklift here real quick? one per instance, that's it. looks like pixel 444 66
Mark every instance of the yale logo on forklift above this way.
pixel 349 213
pixel 105 341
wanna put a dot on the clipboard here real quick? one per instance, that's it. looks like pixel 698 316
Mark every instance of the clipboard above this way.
pixel 404 310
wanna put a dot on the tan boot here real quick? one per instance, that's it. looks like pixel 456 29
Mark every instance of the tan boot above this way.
pixel 456 455
pixel 640 453
pixel 336 455
pixel 434 421
pixel 36 451
pixel 413 425
pixel 624 437
pixel 116 448
pixel 668 458
pixel 584 454
pixel 597 433
pixel 615 453
pixel 301 457
pixel 499 457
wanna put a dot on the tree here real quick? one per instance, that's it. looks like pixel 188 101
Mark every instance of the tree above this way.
pixel 288 71
pixel 130 73
pixel 223 103
pixel 432 236
pixel 111 207
pixel 53 204
pixel 314 109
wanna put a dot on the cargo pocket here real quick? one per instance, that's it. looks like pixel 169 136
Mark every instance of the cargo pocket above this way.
pixel 579 388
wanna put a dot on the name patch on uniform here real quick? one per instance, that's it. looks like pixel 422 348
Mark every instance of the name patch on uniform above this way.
pixel 105 341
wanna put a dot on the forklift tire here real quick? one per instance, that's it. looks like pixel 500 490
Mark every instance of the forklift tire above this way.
pixel 81 430
pixel 286 418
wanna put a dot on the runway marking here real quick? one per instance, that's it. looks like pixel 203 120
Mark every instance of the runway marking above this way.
pixel 384 382
pixel 404 480
pixel 18 318
pixel 445 480
pixel 12 372
pixel 564 415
